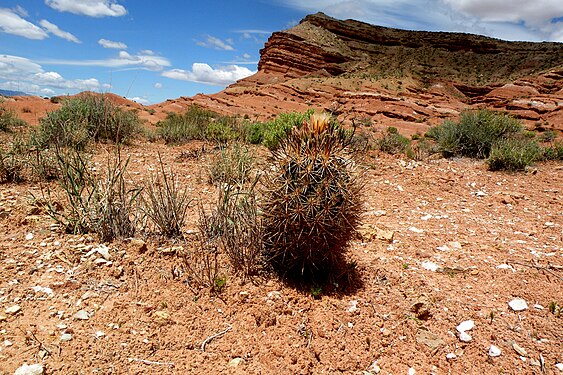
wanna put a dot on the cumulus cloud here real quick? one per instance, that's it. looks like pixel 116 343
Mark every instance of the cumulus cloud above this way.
pixel 512 20
pixel 111 44
pixel 140 100
pixel 54 29
pixel 123 60
pixel 29 76
pixel 204 73
pixel 11 22
pixel 216 43
pixel 158 85
pixel 91 8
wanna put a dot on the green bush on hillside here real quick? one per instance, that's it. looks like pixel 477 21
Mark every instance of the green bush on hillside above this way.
pixel 84 118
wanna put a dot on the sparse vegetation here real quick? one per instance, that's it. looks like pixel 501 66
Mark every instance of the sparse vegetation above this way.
pixel 271 133
pixel 233 166
pixel 84 118
pixel 393 142
pixel 165 203
pixel 312 201
pixel 8 119
pixel 513 154
pixel 93 204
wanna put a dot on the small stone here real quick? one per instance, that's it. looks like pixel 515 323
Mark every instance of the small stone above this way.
pixel 430 266
pixel 99 334
pixel 430 339
pixel 353 307
pixel 29 236
pixel 518 304
pixel 161 317
pixel 35 369
pixel 103 250
pixel 416 230
pixel 61 326
pixel 559 366
pixel 139 245
pixel 374 368
pixel 385 332
pixel 3 318
pixel 494 351
pixel 451 356
pixel 81 315
pixel 66 337
pixel 235 362
pixel 8 343
pixel 465 337
pixel 411 371
pixel 13 310
pixel 480 194
pixel 534 362
pixel 538 307
pixel 454 245
pixel 520 350
pixel 466 325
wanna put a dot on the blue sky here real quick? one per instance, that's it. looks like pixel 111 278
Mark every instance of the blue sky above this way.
pixel 151 51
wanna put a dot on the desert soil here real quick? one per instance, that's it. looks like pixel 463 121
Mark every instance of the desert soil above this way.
pixel 443 242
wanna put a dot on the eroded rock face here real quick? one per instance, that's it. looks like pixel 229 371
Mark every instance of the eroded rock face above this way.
pixel 408 79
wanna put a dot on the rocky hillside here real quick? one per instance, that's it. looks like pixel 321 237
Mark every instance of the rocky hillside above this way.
pixel 408 79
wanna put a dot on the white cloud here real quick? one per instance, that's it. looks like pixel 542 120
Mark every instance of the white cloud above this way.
pixel 111 44
pixel 12 23
pixel 123 60
pixel 158 85
pixel 203 73
pixel 511 20
pixel 30 77
pixel 140 100
pixel 54 29
pixel 91 8
pixel 216 43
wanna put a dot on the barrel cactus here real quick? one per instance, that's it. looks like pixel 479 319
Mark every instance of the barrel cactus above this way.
pixel 312 202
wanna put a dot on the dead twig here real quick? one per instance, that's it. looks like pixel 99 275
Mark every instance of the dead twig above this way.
pixel 549 268
pixel 171 364
pixel 207 340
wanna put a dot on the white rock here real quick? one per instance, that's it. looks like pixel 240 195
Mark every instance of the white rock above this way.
pixel 99 334
pixel 455 245
pixel 81 315
pixel 66 337
pixel 465 326
pixel 465 337
pixel 538 307
pixel 103 250
pixel 494 351
pixel 518 304
pixel 416 230
pixel 353 307
pixel 13 310
pixel 35 369
pixel 480 193
pixel 29 236
pixel 8 343
pixel 43 289
pixel 235 362
pixel 411 371
pixel 426 217
pixel 559 366
pixel 430 266
pixel 451 356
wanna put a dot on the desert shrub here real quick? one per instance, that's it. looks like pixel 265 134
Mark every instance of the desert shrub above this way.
pixel 9 119
pixel 547 136
pixel 475 133
pixel 233 165
pixel 553 152
pixel 12 167
pixel 422 149
pixel 311 202
pixel 93 204
pixel 192 124
pixel 237 227
pixel 165 203
pixel 392 142
pixel 272 132
pixel 513 154
pixel 84 118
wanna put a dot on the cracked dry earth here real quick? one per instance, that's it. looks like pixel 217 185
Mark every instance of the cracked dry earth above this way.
pixel 443 242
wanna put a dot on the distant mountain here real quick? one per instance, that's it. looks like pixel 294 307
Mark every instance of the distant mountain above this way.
pixel 13 93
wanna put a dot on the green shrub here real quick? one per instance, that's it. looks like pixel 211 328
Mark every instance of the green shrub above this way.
pixel 547 136
pixel 12 166
pixel 312 203
pixel 84 118
pixel 192 124
pixel 513 154
pixel 393 142
pixel 553 152
pixel 9 119
pixel 272 132
pixel 475 133
pixel 232 166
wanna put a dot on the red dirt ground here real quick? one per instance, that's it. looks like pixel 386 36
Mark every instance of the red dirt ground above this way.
pixel 466 241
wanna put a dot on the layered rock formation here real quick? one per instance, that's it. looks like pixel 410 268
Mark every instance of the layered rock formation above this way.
pixel 408 79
